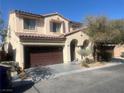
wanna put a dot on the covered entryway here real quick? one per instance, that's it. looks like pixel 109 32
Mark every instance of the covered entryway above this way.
pixel 42 55
pixel 73 45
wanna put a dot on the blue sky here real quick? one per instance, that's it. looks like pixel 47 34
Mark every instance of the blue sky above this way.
pixel 75 10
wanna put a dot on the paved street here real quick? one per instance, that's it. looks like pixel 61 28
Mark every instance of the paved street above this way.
pixel 105 80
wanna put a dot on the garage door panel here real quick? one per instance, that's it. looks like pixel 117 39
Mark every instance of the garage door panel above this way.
pixel 45 56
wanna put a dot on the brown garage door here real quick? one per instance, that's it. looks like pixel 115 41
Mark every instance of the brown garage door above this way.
pixel 44 56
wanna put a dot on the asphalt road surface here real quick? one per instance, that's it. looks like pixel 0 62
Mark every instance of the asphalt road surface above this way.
pixel 105 80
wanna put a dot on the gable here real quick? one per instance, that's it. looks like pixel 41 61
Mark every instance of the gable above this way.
pixel 55 14
pixel 56 17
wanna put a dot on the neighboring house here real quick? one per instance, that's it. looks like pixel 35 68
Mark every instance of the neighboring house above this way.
pixel 119 51
pixel 108 51
pixel 43 39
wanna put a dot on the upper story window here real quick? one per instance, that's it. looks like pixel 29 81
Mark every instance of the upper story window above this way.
pixel 56 27
pixel 29 24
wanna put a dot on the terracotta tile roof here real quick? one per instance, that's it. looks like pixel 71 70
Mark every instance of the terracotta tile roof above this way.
pixel 76 23
pixel 43 15
pixel 52 14
pixel 37 15
pixel 49 14
pixel 32 36
pixel 26 13
pixel 75 31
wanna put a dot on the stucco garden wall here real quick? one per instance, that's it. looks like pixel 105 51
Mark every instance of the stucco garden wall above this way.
pixel 80 37
pixel 14 41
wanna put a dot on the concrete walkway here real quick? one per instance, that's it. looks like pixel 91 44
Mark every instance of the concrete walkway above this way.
pixel 60 68
pixel 65 69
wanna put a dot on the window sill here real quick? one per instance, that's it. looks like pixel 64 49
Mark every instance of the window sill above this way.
pixel 28 30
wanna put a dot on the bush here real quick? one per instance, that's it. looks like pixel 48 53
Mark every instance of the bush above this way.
pixel 89 61
pixel 83 63
pixel 106 56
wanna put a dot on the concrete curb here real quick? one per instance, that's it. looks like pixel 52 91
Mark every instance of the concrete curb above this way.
pixel 85 69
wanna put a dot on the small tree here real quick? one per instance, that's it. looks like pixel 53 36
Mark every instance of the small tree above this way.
pixel 85 51
pixel 3 31
pixel 103 31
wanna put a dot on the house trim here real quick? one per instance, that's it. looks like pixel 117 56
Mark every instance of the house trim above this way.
pixel 43 44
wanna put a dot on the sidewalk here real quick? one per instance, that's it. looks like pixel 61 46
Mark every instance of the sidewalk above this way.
pixel 66 69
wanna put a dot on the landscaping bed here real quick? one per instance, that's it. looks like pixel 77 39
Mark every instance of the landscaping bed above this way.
pixel 93 64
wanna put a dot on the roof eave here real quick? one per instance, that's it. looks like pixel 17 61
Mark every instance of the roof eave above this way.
pixel 23 13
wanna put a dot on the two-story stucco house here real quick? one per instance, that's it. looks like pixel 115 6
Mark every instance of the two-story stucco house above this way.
pixel 43 39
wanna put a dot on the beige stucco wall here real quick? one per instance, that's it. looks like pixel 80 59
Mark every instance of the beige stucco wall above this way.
pixel 47 28
pixel 14 40
pixel 12 26
pixel 39 29
pixel 42 24
pixel 17 47
pixel 118 51
pixel 80 37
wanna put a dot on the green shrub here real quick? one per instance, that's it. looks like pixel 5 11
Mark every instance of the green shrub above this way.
pixel 106 56
pixel 83 63
pixel 89 61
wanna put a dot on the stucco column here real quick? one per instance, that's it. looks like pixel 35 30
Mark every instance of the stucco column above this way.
pixel 66 54
pixel 20 55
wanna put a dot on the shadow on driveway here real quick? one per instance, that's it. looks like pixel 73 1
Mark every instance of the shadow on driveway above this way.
pixel 35 74
pixel 39 73
pixel 22 86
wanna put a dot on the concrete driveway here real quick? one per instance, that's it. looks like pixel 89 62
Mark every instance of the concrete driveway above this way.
pixel 105 80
